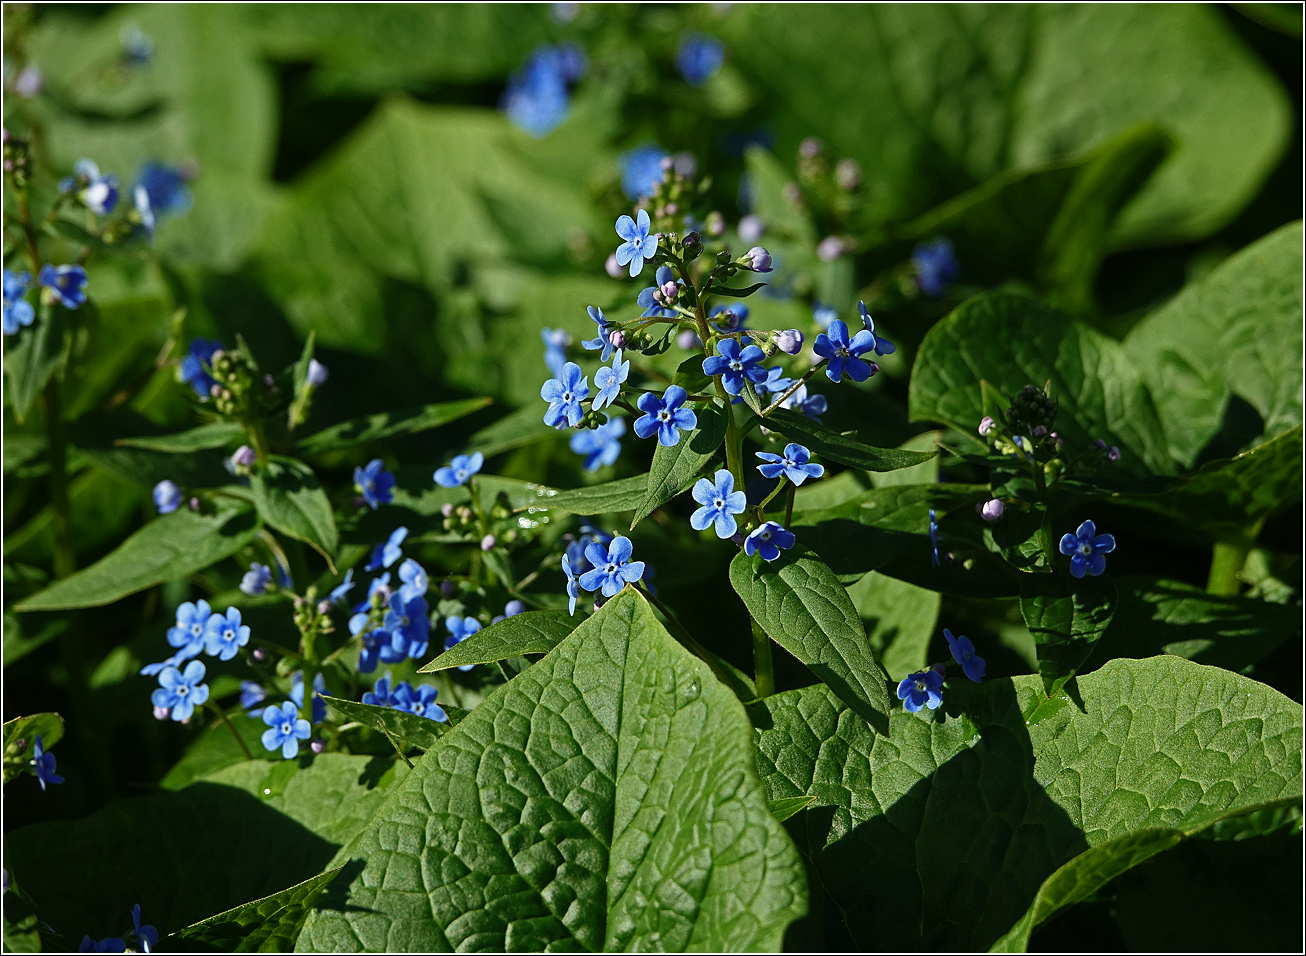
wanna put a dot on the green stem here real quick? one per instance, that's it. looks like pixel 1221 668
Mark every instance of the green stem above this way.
pixel 1045 525
pixel 222 716
pixel 734 440
pixel 789 506
pixel 65 556
pixel 763 669
pixel 780 486
pixel 1227 560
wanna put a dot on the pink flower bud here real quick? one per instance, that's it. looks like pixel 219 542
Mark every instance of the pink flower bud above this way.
pixel 750 228
pixel 193 504
pixel 162 713
pixel 244 457
pixel 324 607
pixel 830 248
pixel 317 745
pixel 618 338
pixel 488 543
pixel 987 426
pixel 670 291
pixel 990 510
pixel 259 654
pixel 611 267
pixel 687 340
pixel 1040 431
pixel 1113 453
pixel 790 341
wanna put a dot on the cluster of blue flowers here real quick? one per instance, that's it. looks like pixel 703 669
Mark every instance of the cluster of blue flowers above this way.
pixel 419 700
pixel 65 285
pixel 537 98
pixel 924 689
pixel 197 629
pixel 599 562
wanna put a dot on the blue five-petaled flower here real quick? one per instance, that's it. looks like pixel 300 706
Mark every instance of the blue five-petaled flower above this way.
pixel 613 568
pixel 460 628
pixel 167 497
pixel 963 652
pixel 285 729
pixel 768 539
pixel 921 689
pixel 194 367
pixel 610 380
pixel 43 763
pixel 639 245
pixel 600 446
pixel 665 415
pixel 564 395
pixel 882 345
pixel 66 283
pixel 460 470
pixel 936 265
pixel 844 353
pixel 1087 549
pixel 384 555
pixel 720 504
pixel 795 464
pixel 419 700
pixel 224 635
pixel 18 312
pixel 188 631
pixel 408 623
pixel 181 691
pixel 374 483
pixel 736 365
pixel 415 580
pixel 601 343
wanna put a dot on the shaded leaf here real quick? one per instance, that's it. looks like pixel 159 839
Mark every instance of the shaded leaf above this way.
pixel 407 728
pixel 624 494
pixel 213 435
pixel 532 632
pixel 289 498
pixel 264 926
pixel 387 424
pixel 829 444
pixel 676 468
pixel 1066 617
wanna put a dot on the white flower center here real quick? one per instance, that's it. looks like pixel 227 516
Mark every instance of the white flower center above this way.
pixel 285 729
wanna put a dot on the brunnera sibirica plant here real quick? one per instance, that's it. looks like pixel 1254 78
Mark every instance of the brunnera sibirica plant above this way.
pixel 857 580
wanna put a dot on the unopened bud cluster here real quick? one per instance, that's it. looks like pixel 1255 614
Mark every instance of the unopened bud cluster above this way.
pixel 238 389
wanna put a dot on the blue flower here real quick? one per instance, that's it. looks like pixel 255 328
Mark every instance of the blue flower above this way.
pixel 167 497
pixel 720 504
pixel 415 580
pixel 564 395
pixel 823 314
pixel 882 345
pixel 664 415
pixel 181 691
pixel 460 628
pixel 963 652
pixel 573 584
pixel 408 624
pixel 195 366
pixel 99 193
pixel 699 57
pixel 68 283
pixel 612 567
pixel 1087 549
pixel 188 631
pixel 225 635
pixel 137 48
pixel 649 299
pixel 374 483
pixel 114 944
pixel 775 382
pixel 936 265
pixel 384 555
pixel 513 608
pixel 251 695
pixel 418 700
pixel 146 935
pixel 43 763
pixel 934 539
pixel 378 645
pixel 609 381
pixel 379 585
pixel 18 312
pixel 813 406
pixel 176 660
pixel 379 695
pixel 536 98
pixel 736 365
pixel 460 470
pixel 600 446
pixel 165 189
pixel 285 729
pixel 768 539
pixel 343 588
pixel 256 579
pixel 639 245
pixel 602 343
pixel 795 464
pixel 921 690
pixel 319 688
pixel 641 171
pixel 555 345
pixel 844 353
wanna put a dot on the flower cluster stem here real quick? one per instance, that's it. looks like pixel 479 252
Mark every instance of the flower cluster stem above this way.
pixel 763 668
pixel 1227 560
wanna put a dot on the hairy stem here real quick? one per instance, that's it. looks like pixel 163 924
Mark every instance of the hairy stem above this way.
pixel 763 669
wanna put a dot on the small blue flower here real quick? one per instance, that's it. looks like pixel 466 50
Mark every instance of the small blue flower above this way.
pixel 384 555
pixel 823 314
pixel 137 48
pixel 1087 549
pixel 167 497
pixel 408 624
pixel 43 763
pixel 165 189
pixel 319 688
pixel 317 373
pixel 795 464
pixel 934 539
pixel 610 380
pixel 176 660
pixel 720 504
pixel 813 406
pixel 963 652
pixel 536 98
pixel 612 567
pixel 188 631
pixel 379 695
pixel 374 483
pixel 699 57
pixel 513 608
pixel 573 584
pixel 664 415
pixel 378 586
pixel 882 345
pixel 256 579
pixel 415 580
pixel 195 365
pixel 649 298
pixel 114 944
pixel 67 283
pixel 921 689
pixel 555 349
pixel 768 539
pixel 936 265
pixel 285 729
pixel 600 446
pixel 844 354
pixel 147 935
pixel 418 700
pixel 775 383
pixel 18 312
pixel 639 245
pixel 99 193
pixel 601 343
pixel 641 171
pixel 460 470
pixel 181 691
pixel 460 628
pixel 343 588
pixel 251 695
pixel 378 645
pixel 735 365
pixel 564 395
pixel 225 635
pixel 283 576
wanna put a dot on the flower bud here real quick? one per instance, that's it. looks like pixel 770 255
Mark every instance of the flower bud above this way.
pixel 612 268
pixel 790 341
pixel 269 381
pixel 987 426
pixel 447 587
pixel 715 223
pixel 258 654
pixel 323 607
pixel 193 505
pixel 687 339
pixel 671 209
pixel 244 457
pixel 810 148
pixel 750 228
pixel 1113 453
pixel 875 367
pixel 317 372
pixel 692 245
pixel 1040 431
pixel 162 713
pixel 990 510
pixel 757 259
pixel 317 745
pixel 1100 445
pixel 488 543
pixel 670 291
pixel 848 174
pixel 513 608
pixel 830 248
pixel 618 338
pixel 446 509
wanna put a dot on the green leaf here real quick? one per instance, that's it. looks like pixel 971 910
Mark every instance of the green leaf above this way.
pixel 166 549
pixel 216 748
pixel 213 435
pixel 48 726
pixel 900 621
pixel 533 632
pixel 1010 341
pixel 604 799
pixel 387 424
pixel 1066 618
pixel 269 925
pixel 939 835
pixel 803 607
pixel 1236 333
pixel 523 427
pixel 675 468
pixel 624 494
pixel 785 808
pixel 738 293
pixel 831 445
pixel 289 498
pixel 32 361
pixel 409 729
